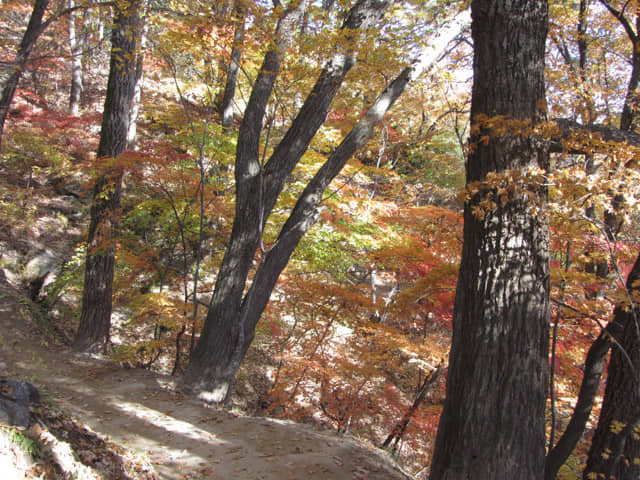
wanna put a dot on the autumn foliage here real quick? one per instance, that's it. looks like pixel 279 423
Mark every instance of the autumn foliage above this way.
pixel 356 335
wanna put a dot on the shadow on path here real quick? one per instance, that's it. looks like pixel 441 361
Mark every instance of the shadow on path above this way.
pixel 182 438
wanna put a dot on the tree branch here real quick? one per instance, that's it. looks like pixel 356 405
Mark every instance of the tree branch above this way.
pixel 560 141
pixel 633 36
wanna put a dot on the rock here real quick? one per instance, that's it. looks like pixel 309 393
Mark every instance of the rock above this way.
pixel 15 400
pixel 40 265
pixel 40 271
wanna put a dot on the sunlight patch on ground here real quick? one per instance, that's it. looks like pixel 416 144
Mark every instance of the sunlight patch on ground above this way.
pixel 168 423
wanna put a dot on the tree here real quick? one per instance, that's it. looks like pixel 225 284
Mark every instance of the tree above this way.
pixel 222 343
pixel 615 448
pixel 492 424
pixel 95 319
pixel 135 102
pixel 233 315
pixel 34 29
pixel 76 44
pixel 601 457
pixel 631 104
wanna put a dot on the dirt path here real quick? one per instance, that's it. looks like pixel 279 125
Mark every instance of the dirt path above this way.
pixel 181 438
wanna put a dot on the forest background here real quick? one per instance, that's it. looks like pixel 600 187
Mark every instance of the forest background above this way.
pixel 356 334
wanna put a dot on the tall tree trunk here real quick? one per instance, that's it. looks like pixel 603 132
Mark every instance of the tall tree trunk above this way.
pixel 223 341
pixel 234 67
pixel 95 319
pixel 493 422
pixel 76 44
pixel 34 29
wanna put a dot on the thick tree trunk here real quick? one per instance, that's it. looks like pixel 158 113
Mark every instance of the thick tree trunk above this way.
pixel 493 422
pixel 614 451
pixel 234 67
pixel 34 29
pixel 95 319
pixel 223 341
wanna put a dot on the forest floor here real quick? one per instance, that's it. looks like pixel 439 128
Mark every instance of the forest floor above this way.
pixel 177 436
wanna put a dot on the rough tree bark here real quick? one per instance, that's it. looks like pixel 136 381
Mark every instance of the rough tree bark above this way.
pixel 493 422
pixel 95 319
pixel 223 341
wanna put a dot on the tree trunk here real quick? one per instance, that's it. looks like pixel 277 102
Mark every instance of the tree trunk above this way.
pixel 76 44
pixel 399 429
pixel 223 341
pixel 234 67
pixel 134 111
pixel 34 29
pixel 615 448
pixel 493 422
pixel 614 452
pixel 632 101
pixel 95 319
pixel 593 368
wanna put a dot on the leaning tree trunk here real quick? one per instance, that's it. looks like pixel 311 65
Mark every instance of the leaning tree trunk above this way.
pixel 216 358
pixel 34 29
pixel 493 422
pixel 95 319
pixel 615 448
